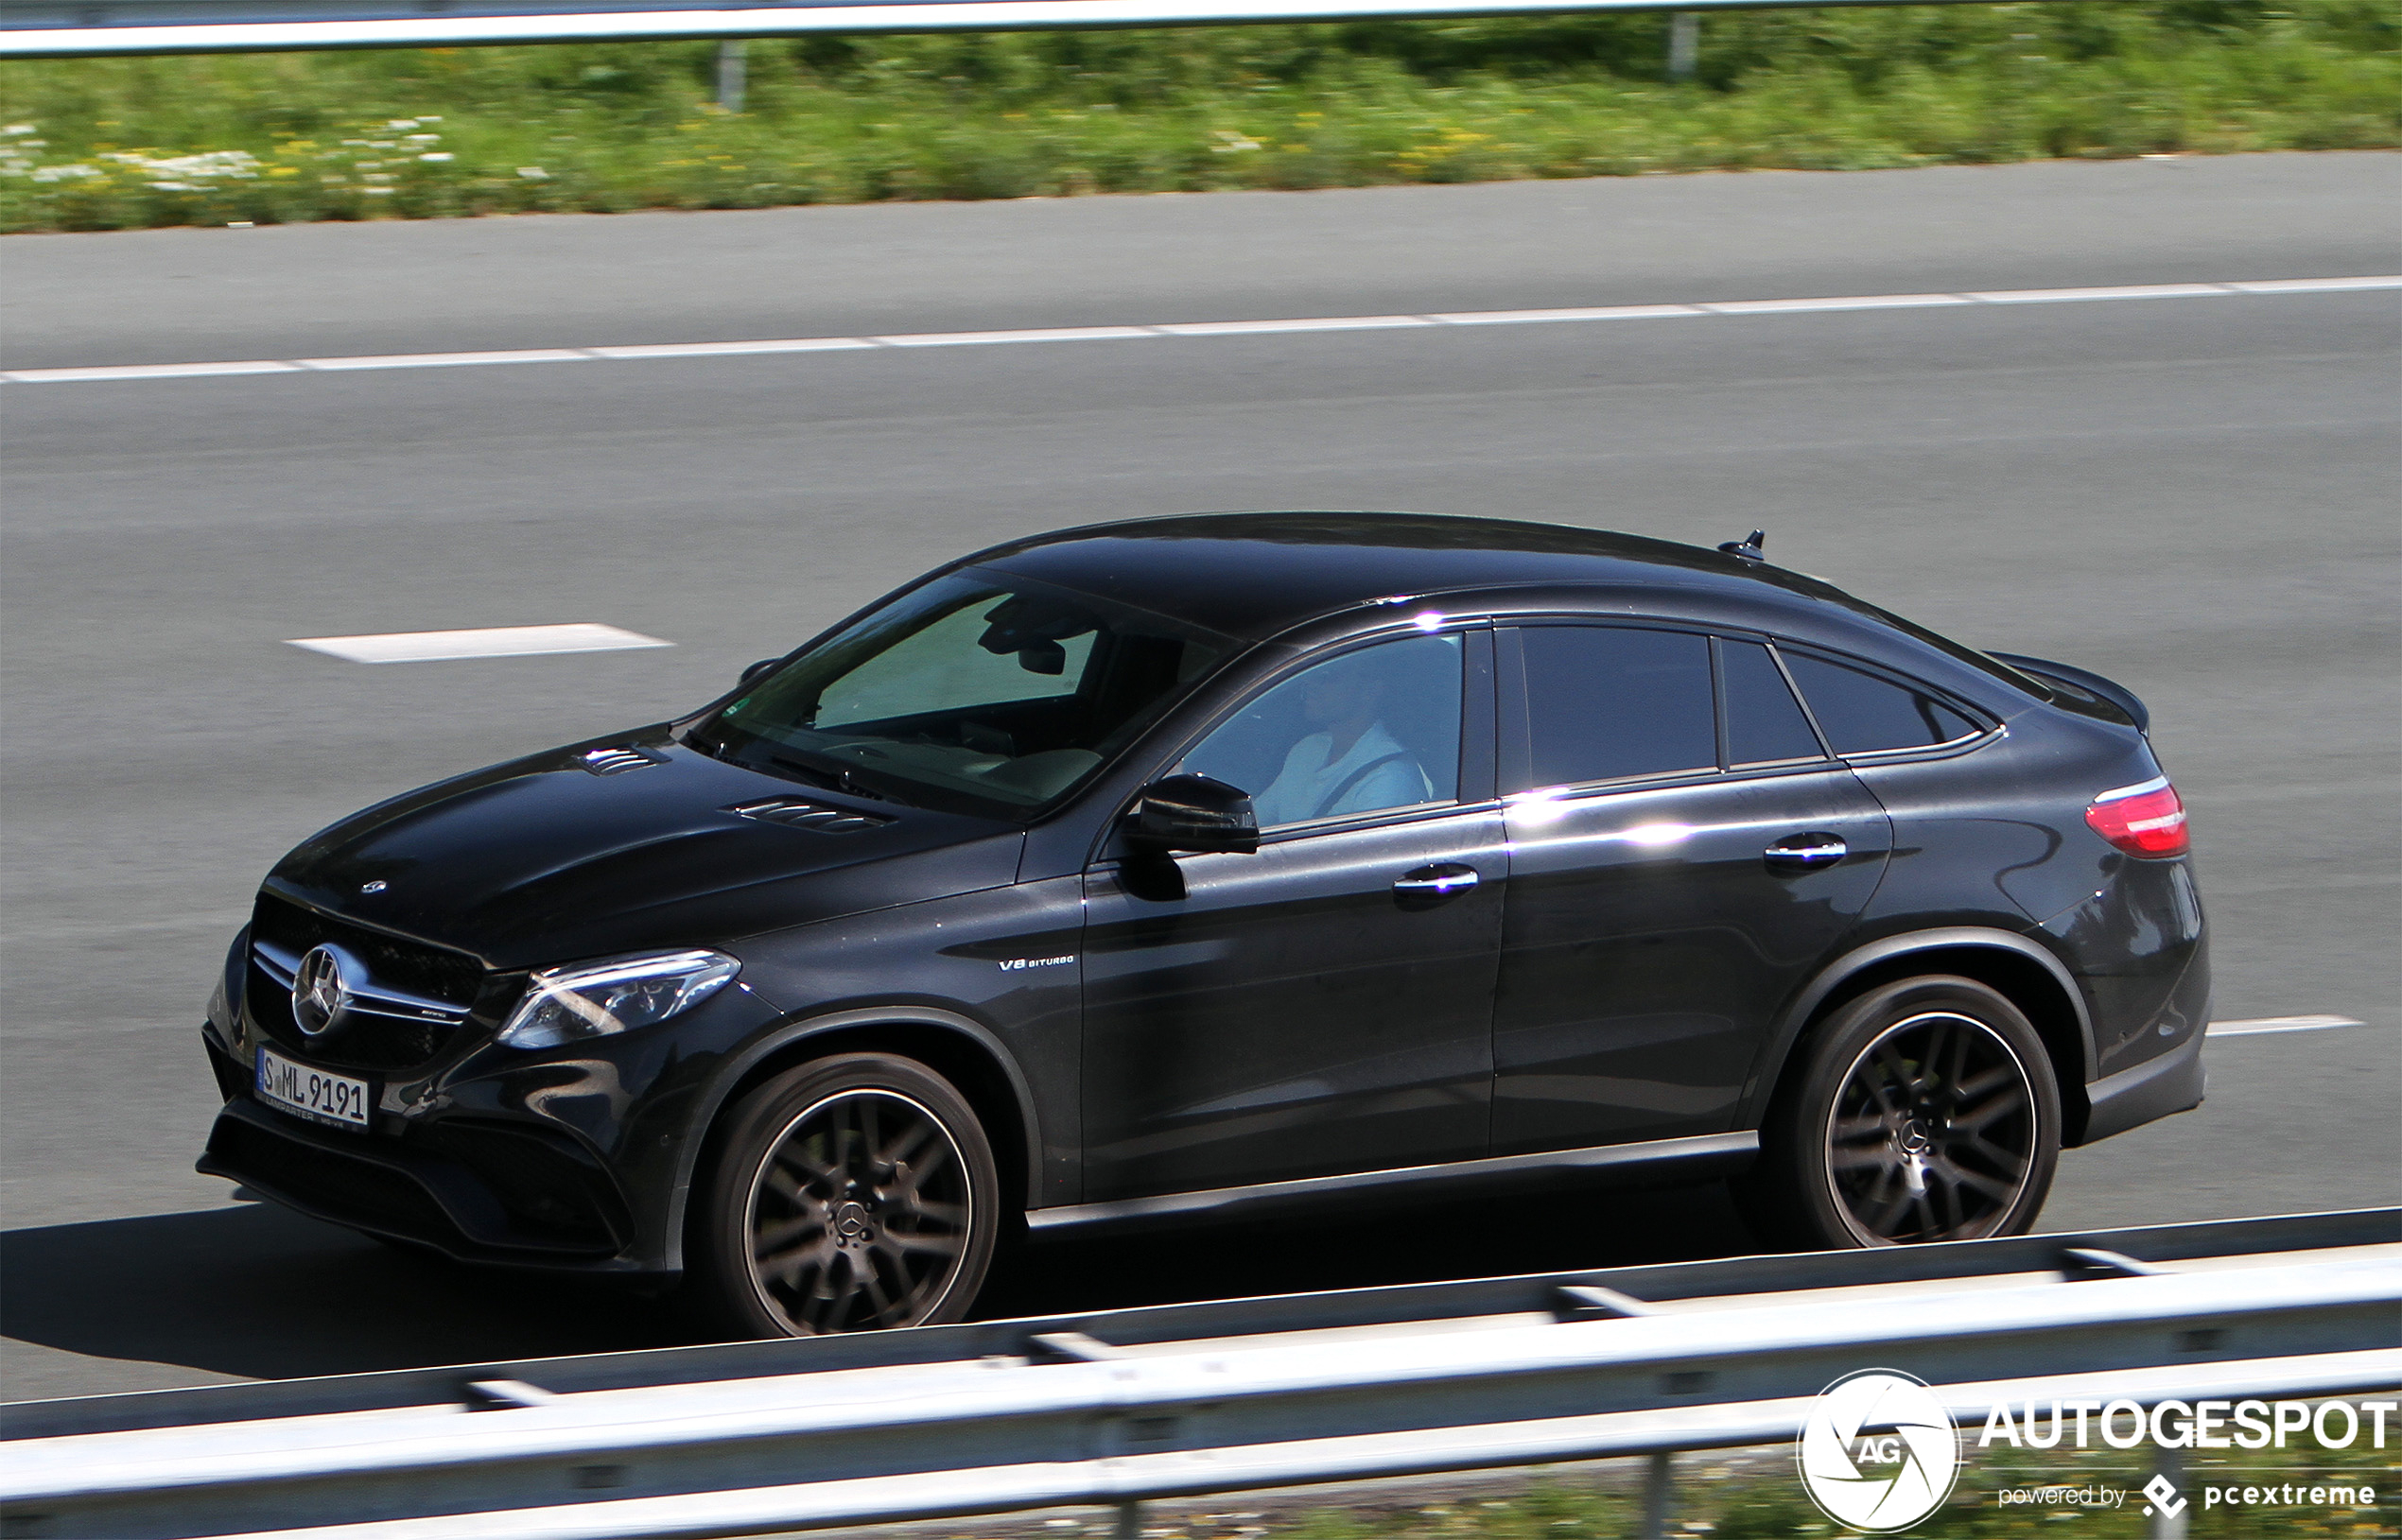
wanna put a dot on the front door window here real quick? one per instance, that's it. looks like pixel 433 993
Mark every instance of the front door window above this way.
pixel 1371 731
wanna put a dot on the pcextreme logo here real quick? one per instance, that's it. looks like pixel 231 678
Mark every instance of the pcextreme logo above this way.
pixel 1879 1452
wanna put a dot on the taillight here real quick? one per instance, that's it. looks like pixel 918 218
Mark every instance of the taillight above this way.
pixel 2146 820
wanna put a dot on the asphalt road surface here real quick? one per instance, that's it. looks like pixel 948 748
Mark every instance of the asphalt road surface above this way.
pixel 2197 496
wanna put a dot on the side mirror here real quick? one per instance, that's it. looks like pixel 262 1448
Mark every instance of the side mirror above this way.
pixel 758 668
pixel 1193 813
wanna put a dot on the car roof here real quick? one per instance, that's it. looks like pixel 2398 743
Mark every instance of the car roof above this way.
pixel 1257 575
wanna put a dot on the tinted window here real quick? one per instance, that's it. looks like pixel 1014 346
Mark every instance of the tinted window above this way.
pixel 974 693
pixel 1861 713
pixel 1370 729
pixel 1764 721
pixel 1606 703
pixel 940 668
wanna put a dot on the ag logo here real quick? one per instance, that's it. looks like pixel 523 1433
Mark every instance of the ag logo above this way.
pixel 1879 1451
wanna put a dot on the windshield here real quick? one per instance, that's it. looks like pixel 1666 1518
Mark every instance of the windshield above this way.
pixel 976 693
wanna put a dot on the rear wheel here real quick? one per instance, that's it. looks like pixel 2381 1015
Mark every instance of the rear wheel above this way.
pixel 852 1194
pixel 1926 1111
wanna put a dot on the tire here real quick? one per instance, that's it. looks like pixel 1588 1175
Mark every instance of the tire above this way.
pixel 857 1193
pixel 1926 1110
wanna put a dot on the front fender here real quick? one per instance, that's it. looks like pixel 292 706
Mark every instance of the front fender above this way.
pixel 779 1040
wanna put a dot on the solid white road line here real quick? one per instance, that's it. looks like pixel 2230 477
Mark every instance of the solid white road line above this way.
pixel 2278 1024
pixel 493 642
pixel 1203 328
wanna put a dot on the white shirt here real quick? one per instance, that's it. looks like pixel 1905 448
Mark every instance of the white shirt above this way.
pixel 1301 788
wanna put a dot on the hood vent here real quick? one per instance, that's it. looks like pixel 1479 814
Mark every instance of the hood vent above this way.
pixel 801 813
pixel 616 760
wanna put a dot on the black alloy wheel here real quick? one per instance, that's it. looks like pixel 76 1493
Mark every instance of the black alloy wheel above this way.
pixel 1928 1112
pixel 854 1194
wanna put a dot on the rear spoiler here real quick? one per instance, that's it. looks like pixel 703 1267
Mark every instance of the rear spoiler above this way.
pixel 2083 689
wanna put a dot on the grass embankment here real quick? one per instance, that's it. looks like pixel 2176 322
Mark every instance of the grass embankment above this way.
pixel 113 144
pixel 1756 1496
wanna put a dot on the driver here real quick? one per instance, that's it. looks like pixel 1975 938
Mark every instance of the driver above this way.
pixel 1351 764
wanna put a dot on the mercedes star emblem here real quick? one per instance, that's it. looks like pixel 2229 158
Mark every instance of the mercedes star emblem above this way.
pixel 319 991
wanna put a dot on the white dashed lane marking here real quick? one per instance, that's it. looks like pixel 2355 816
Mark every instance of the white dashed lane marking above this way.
pixel 2259 1025
pixel 493 642
pixel 1198 329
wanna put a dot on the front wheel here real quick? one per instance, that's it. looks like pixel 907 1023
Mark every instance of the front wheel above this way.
pixel 852 1194
pixel 1926 1111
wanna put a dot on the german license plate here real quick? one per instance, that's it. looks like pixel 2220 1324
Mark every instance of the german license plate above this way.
pixel 313 1093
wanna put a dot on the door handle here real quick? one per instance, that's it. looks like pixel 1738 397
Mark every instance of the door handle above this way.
pixel 1806 852
pixel 1433 884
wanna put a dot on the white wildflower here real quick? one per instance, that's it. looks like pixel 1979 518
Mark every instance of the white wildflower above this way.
pixel 1230 143
pixel 425 139
pixel 181 169
pixel 62 173
pixel 402 123
pixel 533 173
pixel 17 128
pixel 435 155
pixel 378 192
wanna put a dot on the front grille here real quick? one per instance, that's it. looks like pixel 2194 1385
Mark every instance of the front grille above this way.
pixel 435 972
pixel 360 1040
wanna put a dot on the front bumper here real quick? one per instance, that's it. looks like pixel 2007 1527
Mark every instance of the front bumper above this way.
pixel 477 1192
pixel 569 1159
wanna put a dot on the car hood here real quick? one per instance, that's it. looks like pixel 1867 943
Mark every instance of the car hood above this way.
pixel 629 843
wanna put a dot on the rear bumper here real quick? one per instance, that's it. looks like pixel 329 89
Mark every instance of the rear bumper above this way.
pixel 2168 1082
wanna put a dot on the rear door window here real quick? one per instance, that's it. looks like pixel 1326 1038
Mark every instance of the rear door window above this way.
pixel 1862 713
pixel 1608 702
pixel 1764 724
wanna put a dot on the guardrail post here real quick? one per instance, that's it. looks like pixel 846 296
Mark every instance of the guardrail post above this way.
pixel 733 74
pixel 1658 1479
pixel 1684 44
pixel 2168 1523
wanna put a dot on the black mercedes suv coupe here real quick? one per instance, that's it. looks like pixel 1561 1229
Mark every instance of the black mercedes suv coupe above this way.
pixel 1231 865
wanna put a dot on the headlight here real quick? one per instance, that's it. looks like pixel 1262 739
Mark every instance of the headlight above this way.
pixel 597 999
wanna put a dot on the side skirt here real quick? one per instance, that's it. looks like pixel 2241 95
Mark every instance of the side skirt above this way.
pixel 1651 1162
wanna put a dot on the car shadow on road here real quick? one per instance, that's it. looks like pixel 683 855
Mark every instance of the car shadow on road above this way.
pixel 258 1293
pixel 262 1293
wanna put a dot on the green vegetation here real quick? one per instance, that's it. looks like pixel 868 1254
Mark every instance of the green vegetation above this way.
pixel 112 144
pixel 1756 1497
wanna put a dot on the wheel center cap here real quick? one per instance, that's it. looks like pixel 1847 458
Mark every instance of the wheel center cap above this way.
pixel 1914 1138
pixel 850 1222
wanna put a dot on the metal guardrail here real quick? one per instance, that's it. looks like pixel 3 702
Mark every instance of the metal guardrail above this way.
pixel 1123 1406
pixel 37 29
